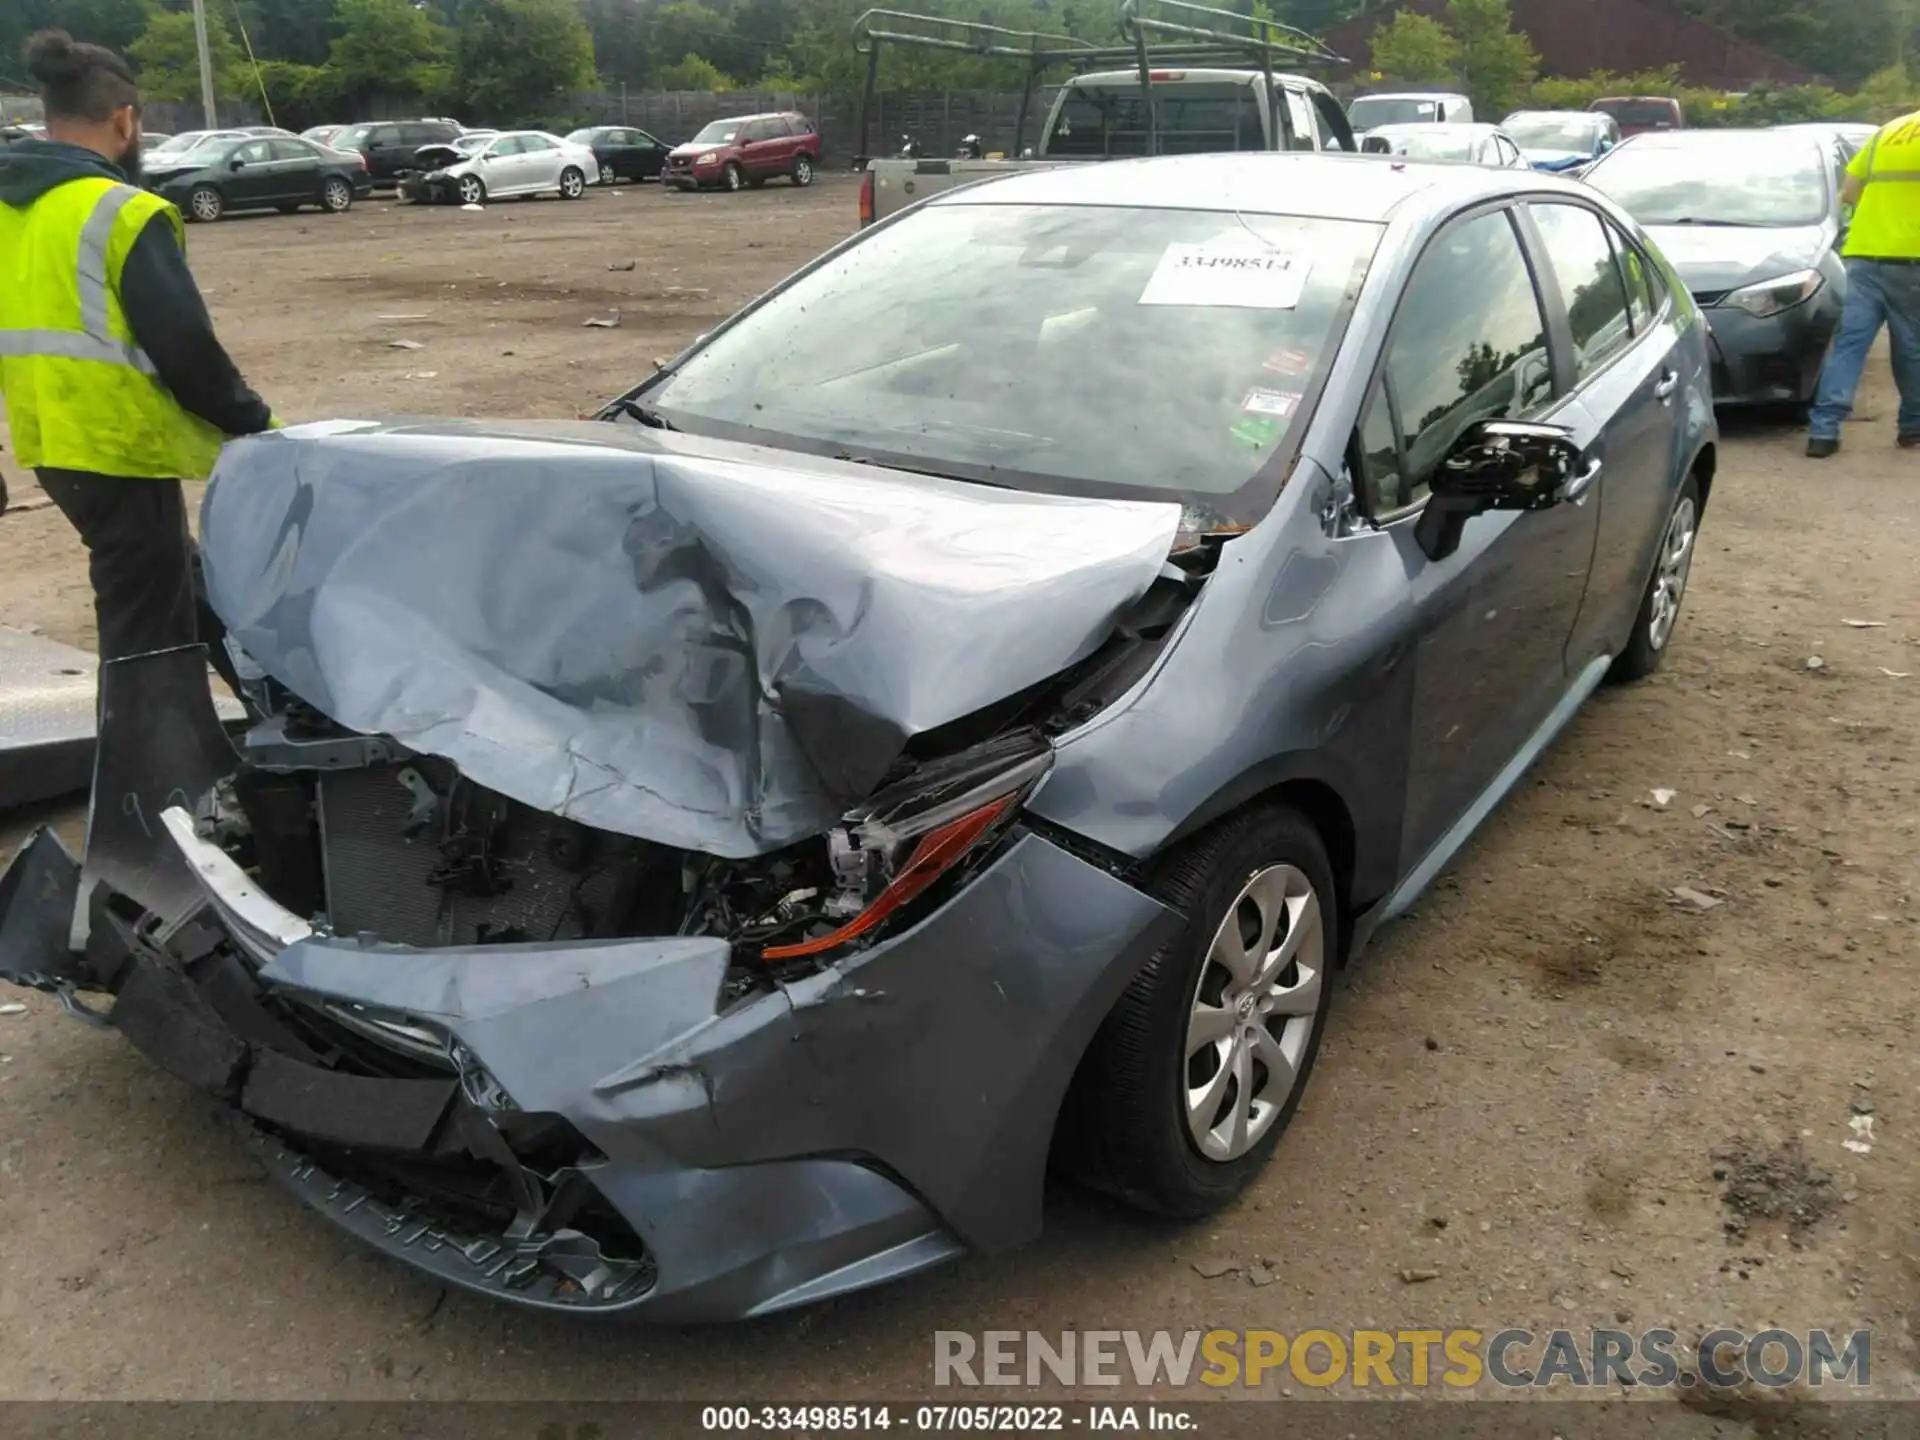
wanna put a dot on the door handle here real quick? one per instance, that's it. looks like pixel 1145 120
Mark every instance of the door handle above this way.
pixel 1669 382
pixel 1575 490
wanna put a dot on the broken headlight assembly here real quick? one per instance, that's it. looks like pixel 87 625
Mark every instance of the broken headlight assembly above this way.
pixel 898 845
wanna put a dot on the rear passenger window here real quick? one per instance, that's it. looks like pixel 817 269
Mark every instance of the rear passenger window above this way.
pixel 1596 298
pixel 1468 344
pixel 1641 301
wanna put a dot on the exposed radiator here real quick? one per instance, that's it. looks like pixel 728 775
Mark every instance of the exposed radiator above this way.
pixel 384 836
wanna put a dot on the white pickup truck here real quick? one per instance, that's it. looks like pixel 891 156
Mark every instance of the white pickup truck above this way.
pixel 1101 117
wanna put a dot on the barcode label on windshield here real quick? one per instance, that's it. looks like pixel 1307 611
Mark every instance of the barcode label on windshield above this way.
pixel 1240 275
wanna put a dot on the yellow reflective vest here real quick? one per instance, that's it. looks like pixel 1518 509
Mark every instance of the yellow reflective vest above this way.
pixel 1886 222
pixel 80 393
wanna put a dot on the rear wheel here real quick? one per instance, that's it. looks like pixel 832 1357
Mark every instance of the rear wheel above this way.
pixel 733 177
pixel 573 183
pixel 206 204
pixel 803 169
pixel 336 196
pixel 1660 607
pixel 473 190
pixel 1200 1065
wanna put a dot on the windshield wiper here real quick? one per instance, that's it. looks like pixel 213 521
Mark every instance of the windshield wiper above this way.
pixel 636 411
pixel 1696 220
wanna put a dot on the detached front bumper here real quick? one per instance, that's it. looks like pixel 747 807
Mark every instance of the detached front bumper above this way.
pixel 1772 360
pixel 425 189
pixel 592 1126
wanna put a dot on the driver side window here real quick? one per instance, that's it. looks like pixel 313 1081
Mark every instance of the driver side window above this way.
pixel 1468 343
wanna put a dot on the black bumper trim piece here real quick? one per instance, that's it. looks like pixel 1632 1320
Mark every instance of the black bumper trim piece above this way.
pixel 338 1109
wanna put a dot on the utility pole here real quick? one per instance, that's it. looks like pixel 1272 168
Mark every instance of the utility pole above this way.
pixel 206 62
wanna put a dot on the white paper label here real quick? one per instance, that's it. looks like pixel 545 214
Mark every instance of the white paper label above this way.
pixel 1234 273
pixel 1280 403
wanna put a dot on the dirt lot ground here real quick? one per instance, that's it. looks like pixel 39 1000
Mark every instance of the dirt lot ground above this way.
pixel 1574 1100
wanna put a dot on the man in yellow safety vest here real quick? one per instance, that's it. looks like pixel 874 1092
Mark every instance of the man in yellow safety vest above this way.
pixel 1883 285
pixel 116 387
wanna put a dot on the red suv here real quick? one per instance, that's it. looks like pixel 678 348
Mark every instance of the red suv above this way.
pixel 748 151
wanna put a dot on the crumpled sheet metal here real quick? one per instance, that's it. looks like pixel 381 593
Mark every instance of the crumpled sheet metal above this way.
pixel 708 646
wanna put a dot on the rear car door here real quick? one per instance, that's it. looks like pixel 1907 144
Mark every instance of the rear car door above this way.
pixel 298 165
pixel 1469 342
pixel 1625 333
pixel 384 152
pixel 539 163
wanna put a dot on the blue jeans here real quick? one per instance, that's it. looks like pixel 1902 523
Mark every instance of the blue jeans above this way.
pixel 1877 294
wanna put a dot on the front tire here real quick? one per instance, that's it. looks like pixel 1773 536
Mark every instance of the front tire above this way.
pixel 573 183
pixel 336 196
pixel 1198 1069
pixel 1659 613
pixel 206 204
pixel 473 190
pixel 803 170
pixel 733 177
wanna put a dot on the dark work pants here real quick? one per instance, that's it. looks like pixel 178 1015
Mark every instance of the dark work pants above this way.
pixel 147 590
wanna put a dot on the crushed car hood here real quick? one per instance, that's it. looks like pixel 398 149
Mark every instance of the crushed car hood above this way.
pixel 711 646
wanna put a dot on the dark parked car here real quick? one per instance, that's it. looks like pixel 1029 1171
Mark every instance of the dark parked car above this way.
pixel 1750 219
pixel 1641 114
pixel 623 152
pixel 264 174
pixel 750 150
pixel 391 145
pixel 626 904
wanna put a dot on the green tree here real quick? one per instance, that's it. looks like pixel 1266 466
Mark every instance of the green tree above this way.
pixel 1497 64
pixel 691 72
pixel 386 47
pixel 166 58
pixel 1413 49
pixel 113 23
pixel 513 56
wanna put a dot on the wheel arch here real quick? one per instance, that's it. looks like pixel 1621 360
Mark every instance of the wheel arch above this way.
pixel 1705 463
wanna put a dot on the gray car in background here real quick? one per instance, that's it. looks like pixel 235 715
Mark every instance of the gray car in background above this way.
pixel 955 717
pixel 1751 221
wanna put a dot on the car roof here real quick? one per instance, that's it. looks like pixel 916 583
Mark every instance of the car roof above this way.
pixel 1588 115
pixel 1712 139
pixel 1313 185
pixel 1411 95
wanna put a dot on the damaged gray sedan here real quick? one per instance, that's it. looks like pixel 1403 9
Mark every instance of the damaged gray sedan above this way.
pixel 952 720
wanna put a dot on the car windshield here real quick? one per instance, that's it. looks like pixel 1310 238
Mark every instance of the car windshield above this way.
pixel 469 144
pixel 1637 112
pixel 720 132
pixel 1423 144
pixel 184 141
pixel 1553 132
pixel 1371 110
pixel 352 136
pixel 1089 349
pixel 1762 185
pixel 1191 118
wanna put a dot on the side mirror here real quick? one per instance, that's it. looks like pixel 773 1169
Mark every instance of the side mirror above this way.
pixel 1606 144
pixel 1496 465
pixel 236 164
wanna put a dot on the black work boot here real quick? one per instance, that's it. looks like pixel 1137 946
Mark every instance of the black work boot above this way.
pixel 1819 447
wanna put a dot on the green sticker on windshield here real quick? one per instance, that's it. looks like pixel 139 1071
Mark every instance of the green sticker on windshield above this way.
pixel 1257 431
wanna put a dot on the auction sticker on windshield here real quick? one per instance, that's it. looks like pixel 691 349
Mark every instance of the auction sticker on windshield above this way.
pixel 1237 273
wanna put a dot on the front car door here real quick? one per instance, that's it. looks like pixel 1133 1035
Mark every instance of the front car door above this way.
pixel 250 179
pixel 650 155
pixel 1470 341
pixel 385 155
pixel 500 166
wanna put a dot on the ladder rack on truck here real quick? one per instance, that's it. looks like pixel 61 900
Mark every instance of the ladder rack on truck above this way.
pixel 1155 35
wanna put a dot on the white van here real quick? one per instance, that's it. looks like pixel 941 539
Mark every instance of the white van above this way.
pixel 1408 108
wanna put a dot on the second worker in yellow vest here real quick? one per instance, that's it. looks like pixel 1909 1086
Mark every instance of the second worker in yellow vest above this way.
pixel 1883 285
pixel 116 387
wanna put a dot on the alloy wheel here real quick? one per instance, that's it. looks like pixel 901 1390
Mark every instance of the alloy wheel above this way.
pixel 572 184
pixel 471 190
pixel 1670 580
pixel 1252 1013
pixel 337 196
pixel 803 171
pixel 205 204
